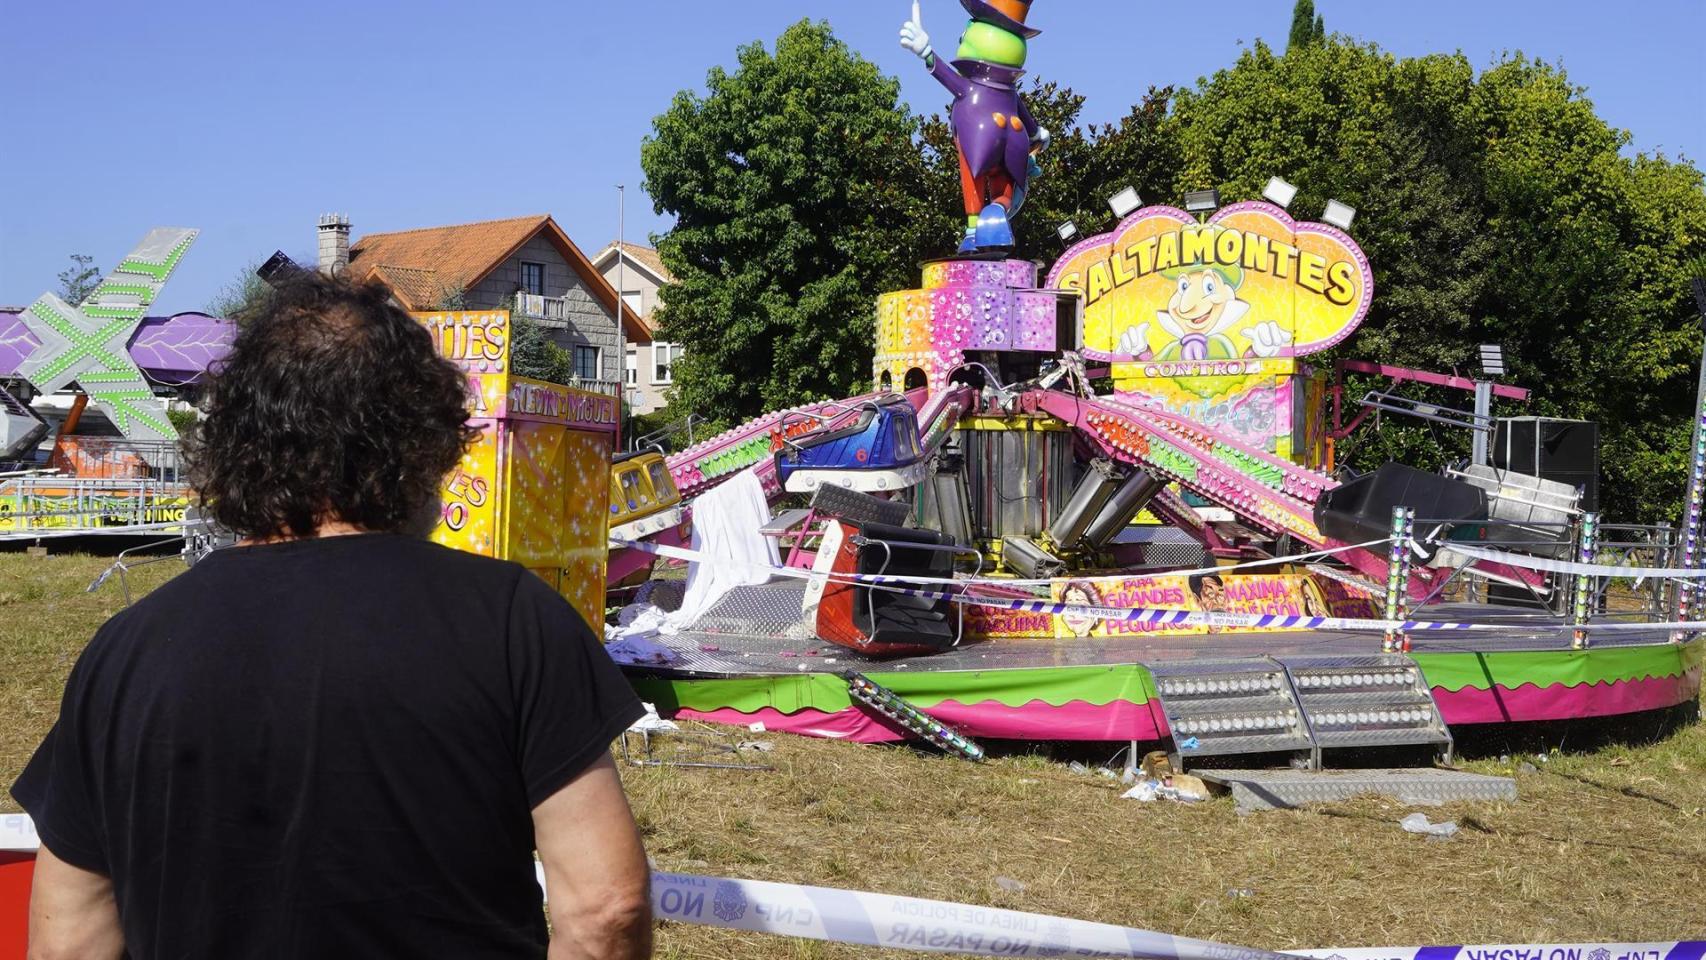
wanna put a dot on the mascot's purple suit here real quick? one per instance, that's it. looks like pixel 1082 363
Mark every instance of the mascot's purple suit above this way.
pixel 993 130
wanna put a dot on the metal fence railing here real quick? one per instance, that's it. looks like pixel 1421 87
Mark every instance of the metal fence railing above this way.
pixel 45 504
pixel 1582 539
pixel 117 458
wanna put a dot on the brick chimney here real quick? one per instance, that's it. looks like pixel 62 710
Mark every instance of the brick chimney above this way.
pixel 334 242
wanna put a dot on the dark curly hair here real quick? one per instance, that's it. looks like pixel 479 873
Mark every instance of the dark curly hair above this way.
pixel 332 405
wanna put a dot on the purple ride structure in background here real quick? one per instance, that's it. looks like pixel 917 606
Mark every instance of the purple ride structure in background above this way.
pixel 172 351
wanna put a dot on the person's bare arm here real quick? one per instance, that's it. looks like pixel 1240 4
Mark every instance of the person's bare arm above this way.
pixel 597 881
pixel 72 913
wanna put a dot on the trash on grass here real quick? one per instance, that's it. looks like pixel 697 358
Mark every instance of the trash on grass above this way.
pixel 1418 823
pixel 1145 791
pixel 652 723
pixel 1009 884
pixel 1179 787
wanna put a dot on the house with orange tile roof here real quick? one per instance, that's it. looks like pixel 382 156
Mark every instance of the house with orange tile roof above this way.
pixel 486 265
pixel 650 364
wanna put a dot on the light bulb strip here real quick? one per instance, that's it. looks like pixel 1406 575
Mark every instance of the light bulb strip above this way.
pixel 1587 552
pixel 1690 596
pixel 914 720
pixel 1398 579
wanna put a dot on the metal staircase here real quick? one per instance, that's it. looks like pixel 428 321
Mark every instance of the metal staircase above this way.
pixel 1224 707
pixel 1302 708
pixel 1298 705
pixel 1368 702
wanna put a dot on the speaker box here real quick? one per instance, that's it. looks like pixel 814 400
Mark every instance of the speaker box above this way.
pixel 1563 451
pixel 1361 509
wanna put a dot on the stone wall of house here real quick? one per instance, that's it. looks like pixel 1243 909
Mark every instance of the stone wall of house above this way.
pixel 590 323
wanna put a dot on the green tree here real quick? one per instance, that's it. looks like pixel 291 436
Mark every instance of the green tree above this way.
pixel 1305 26
pixel 1495 209
pixel 79 280
pixel 241 296
pixel 794 182
pixel 532 352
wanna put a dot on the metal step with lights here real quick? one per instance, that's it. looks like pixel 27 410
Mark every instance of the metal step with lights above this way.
pixel 1229 707
pixel 1368 702
pixel 920 724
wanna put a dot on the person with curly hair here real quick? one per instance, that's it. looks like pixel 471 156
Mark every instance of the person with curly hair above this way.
pixel 336 738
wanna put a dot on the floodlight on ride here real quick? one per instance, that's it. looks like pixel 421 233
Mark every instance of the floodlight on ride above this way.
pixel 1492 360
pixel 1202 201
pixel 1066 232
pixel 1124 202
pixel 1339 214
pixel 1279 192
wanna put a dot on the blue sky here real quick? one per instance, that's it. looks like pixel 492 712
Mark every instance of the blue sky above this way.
pixel 249 120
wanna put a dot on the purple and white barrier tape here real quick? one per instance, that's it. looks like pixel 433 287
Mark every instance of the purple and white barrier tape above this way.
pixel 18 833
pixel 1665 950
pixel 682 553
pixel 1546 565
pixel 909 923
pixel 935 926
pixel 1147 614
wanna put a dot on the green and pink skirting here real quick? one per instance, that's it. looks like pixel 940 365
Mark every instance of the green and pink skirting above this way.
pixel 1118 701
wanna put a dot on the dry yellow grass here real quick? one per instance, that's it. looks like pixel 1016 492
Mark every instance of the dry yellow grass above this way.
pixel 1604 844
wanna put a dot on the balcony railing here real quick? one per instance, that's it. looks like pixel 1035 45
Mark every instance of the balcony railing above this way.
pixel 545 311
pixel 608 387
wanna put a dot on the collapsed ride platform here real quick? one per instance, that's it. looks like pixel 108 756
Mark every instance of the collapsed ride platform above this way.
pixel 1064 515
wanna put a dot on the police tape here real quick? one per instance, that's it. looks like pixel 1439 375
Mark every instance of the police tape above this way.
pixel 933 926
pixel 1547 565
pixel 683 553
pixel 908 923
pixel 1152 615
pixel 1664 950
pixel 866 919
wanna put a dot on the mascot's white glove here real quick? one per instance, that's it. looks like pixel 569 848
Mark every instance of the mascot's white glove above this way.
pixel 1135 341
pixel 912 35
pixel 1041 140
pixel 1267 338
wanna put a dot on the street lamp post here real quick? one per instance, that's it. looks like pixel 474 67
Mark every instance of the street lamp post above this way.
pixel 621 295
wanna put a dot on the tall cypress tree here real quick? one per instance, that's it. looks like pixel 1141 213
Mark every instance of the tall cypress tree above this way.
pixel 1303 27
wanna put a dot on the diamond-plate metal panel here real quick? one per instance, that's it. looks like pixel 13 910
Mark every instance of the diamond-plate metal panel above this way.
pixel 1329 739
pixel 1225 745
pixel 1369 701
pixel 769 610
pixel 1284 789
pixel 1360 699
pixel 1227 707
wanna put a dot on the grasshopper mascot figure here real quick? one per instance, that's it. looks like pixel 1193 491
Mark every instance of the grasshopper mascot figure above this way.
pixel 996 135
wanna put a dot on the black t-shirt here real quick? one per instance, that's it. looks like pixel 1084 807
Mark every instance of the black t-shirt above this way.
pixel 326 748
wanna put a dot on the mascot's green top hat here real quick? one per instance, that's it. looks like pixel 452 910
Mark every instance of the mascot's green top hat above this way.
pixel 1009 15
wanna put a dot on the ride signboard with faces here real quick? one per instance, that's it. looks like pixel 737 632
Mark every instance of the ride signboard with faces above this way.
pixel 1209 319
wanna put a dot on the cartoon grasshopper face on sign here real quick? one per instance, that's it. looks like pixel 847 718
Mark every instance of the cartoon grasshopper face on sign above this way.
pixel 1203 309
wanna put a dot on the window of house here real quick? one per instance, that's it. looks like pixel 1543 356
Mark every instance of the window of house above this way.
pixel 633 298
pixel 631 369
pixel 586 362
pixel 533 278
pixel 664 356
